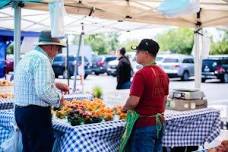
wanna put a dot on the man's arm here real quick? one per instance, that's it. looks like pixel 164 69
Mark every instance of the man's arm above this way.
pixel 44 83
pixel 131 103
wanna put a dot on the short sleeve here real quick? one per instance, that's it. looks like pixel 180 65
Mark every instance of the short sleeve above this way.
pixel 137 86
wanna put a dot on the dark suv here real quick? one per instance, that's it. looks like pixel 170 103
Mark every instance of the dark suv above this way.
pixel 215 67
pixel 59 65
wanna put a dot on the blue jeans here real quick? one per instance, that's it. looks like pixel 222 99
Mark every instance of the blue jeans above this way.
pixel 145 140
pixel 125 85
pixel 35 125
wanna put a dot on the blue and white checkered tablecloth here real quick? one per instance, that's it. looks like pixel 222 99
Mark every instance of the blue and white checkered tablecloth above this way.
pixel 89 138
pixel 6 124
pixel 78 96
pixel 190 128
pixel 6 104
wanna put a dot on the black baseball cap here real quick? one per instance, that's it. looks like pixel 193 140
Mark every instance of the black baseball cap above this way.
pixel 148 45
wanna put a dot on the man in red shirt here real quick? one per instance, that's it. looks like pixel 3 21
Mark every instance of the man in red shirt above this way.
pixel 148 95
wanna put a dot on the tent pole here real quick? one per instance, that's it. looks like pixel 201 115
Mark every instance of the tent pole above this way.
pixel 77 58
pixel 197 53
pixel 67 62
pixel 17 32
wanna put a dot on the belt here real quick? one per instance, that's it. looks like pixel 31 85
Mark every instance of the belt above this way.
pixel 159 123
pixel 18 106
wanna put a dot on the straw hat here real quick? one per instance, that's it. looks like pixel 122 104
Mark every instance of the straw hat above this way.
pixel 46 39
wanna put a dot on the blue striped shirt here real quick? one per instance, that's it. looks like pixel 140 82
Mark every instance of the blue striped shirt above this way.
pixel 34 80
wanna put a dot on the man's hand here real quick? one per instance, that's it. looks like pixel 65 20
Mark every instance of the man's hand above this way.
pixel 62 87
pixel 124 110
pixel 61 101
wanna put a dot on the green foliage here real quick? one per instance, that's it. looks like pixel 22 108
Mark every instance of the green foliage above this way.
pixel 102 43
pixel 10 49
pixel 97 92
pixel 75 40
pixel 130 43
pixel 178 40
pixel 113 41
pixel 220 47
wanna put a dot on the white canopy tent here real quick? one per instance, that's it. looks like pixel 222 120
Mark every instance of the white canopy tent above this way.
pixel 119 12
pixel 213 12
pixel 33 20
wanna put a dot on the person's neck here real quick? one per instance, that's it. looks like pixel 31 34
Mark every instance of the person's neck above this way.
pixel 121 56
pixel 149 63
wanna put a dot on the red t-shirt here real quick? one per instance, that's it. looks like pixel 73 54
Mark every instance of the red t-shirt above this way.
pixel 151 84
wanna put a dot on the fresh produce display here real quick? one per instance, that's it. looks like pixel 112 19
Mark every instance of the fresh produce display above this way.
pixel 223 147
pixel 5 83
pixel 85 112
pixel 6 96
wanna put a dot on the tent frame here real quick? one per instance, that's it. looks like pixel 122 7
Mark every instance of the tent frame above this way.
pixel 198 28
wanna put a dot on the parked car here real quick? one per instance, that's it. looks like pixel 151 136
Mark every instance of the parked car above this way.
pixel 112 67
pixel 9 63
pixel 87 67
pixel 59 65
pixel 100 65
pixel 95 59
pixel 215 67
pixel 176 65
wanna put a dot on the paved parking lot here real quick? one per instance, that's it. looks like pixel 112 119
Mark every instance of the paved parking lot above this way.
pixel 215 91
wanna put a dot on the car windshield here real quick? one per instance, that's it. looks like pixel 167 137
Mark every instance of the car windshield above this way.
pixel 213 63
pixel 170 60
pixel 95 58
pixel 79 58
pixel 59 58
pixel 107 59
pixel 71 58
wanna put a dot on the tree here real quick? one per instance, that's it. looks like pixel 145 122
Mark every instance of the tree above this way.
pixel 220 47
pixel 113 41
pixel 102 43
pixel 130 43
pixel 178 40
pixel 97 42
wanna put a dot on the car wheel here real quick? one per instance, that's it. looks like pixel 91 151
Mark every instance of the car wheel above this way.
pixel 56 76
pixel 225 78
pixel 185 76
pixel 96 73
pixel 85 76
pixel 203 80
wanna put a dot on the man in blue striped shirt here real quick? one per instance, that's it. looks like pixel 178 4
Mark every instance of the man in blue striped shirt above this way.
pixel 35 93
